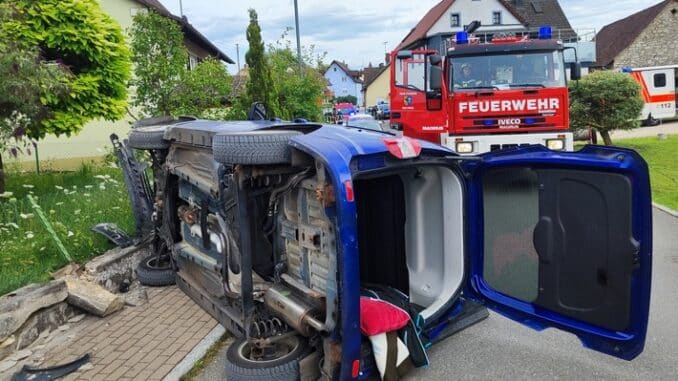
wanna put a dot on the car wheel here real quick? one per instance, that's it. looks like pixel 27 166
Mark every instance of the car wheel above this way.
pixel 156 270
pixel 253 147
pixel 279 362
pixel 151 137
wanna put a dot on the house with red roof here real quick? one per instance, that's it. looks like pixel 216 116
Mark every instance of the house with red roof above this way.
pixel 448 17
pixel 517 17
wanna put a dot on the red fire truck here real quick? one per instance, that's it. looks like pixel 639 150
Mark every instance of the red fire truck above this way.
pixel 480 97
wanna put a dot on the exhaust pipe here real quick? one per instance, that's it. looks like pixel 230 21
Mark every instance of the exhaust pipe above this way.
pixel 293 310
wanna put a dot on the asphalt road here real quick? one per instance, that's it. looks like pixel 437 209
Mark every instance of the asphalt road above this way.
pixel 498 348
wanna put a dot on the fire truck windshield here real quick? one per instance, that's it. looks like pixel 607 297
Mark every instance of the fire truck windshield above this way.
pixel 507 71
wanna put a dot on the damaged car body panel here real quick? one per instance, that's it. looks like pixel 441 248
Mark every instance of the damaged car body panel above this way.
pixel 277 229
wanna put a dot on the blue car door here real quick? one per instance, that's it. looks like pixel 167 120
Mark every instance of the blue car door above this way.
pixel 564 240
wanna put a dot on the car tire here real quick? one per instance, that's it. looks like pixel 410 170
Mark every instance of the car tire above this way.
pixel 239 367
pixel 253 147
pixel 151 137
pixel 151 272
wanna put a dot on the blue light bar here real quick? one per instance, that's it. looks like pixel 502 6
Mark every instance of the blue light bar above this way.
pixel 461 38
pixel 627 69
pixel 545 33
pixel 529 121
pixel 489 122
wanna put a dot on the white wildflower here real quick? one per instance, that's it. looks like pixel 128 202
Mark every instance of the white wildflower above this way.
pixel 6 194
pixel 59 187
pixel 86 194
pixel 88 186
pixel 28 186
pixel 77 211
pixel 102 186
pixel 12 225
pixel 52 211
pixel 101 177
pixel 70 234
pixel 29 235
pixel 59 203
pixel 26 216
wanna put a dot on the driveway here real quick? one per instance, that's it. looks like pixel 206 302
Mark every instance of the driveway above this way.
pixel 498 348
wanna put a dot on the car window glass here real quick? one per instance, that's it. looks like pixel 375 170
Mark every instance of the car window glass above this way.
pixel 511 212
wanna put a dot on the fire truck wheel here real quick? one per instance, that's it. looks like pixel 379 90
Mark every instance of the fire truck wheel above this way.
pixel 253 147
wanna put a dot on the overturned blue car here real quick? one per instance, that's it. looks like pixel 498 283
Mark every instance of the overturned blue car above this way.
pixel 283 230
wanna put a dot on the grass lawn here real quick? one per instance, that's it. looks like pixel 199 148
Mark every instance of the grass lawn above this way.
pixel 73 202
pixel 662 158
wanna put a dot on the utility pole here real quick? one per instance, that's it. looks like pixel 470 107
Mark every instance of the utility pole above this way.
pixel 296 22
pixel 237 53
pixel 181 9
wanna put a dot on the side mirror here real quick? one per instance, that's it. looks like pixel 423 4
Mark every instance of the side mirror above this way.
pixel 435 59
pixel 575 71
pixel 257 111
pixel 435 81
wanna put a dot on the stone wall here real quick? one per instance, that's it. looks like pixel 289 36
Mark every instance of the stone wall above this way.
pixel 656 45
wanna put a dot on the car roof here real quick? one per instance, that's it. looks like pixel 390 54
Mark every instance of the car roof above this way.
pixel 360 117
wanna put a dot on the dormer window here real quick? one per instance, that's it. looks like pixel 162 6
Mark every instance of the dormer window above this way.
pixel 455 19
pixel 496 18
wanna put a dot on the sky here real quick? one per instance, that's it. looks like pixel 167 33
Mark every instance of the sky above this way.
pixel 357 32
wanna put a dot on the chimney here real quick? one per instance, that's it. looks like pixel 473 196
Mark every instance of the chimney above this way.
pixel 381 65
pixel 387 59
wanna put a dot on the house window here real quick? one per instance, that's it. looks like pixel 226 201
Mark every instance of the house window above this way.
pixel 334 69
pixel 192 61
pixel 496 18
pixel 455 19
pixel 134 11
pixel 660 80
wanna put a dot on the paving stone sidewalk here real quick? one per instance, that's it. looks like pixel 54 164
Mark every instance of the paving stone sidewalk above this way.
pixel 137 343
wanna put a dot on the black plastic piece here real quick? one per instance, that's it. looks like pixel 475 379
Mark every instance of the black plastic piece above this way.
pixel 138 187
pixel 52 373
pixel 113 233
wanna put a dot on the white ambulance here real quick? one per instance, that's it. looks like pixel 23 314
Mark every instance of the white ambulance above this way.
pixel 659 87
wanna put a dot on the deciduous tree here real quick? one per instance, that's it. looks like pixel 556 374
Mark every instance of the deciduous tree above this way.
pixel 605 101
pixel 206 87
pixel 160 61
pixel 79 37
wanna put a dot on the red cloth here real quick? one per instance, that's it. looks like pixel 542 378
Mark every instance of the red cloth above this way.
pixel 378 316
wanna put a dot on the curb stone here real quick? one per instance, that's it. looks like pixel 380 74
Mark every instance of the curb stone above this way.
pixel 196 354
pixel 666 209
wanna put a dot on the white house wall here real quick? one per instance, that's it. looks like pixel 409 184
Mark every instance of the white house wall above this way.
pixel 470 10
